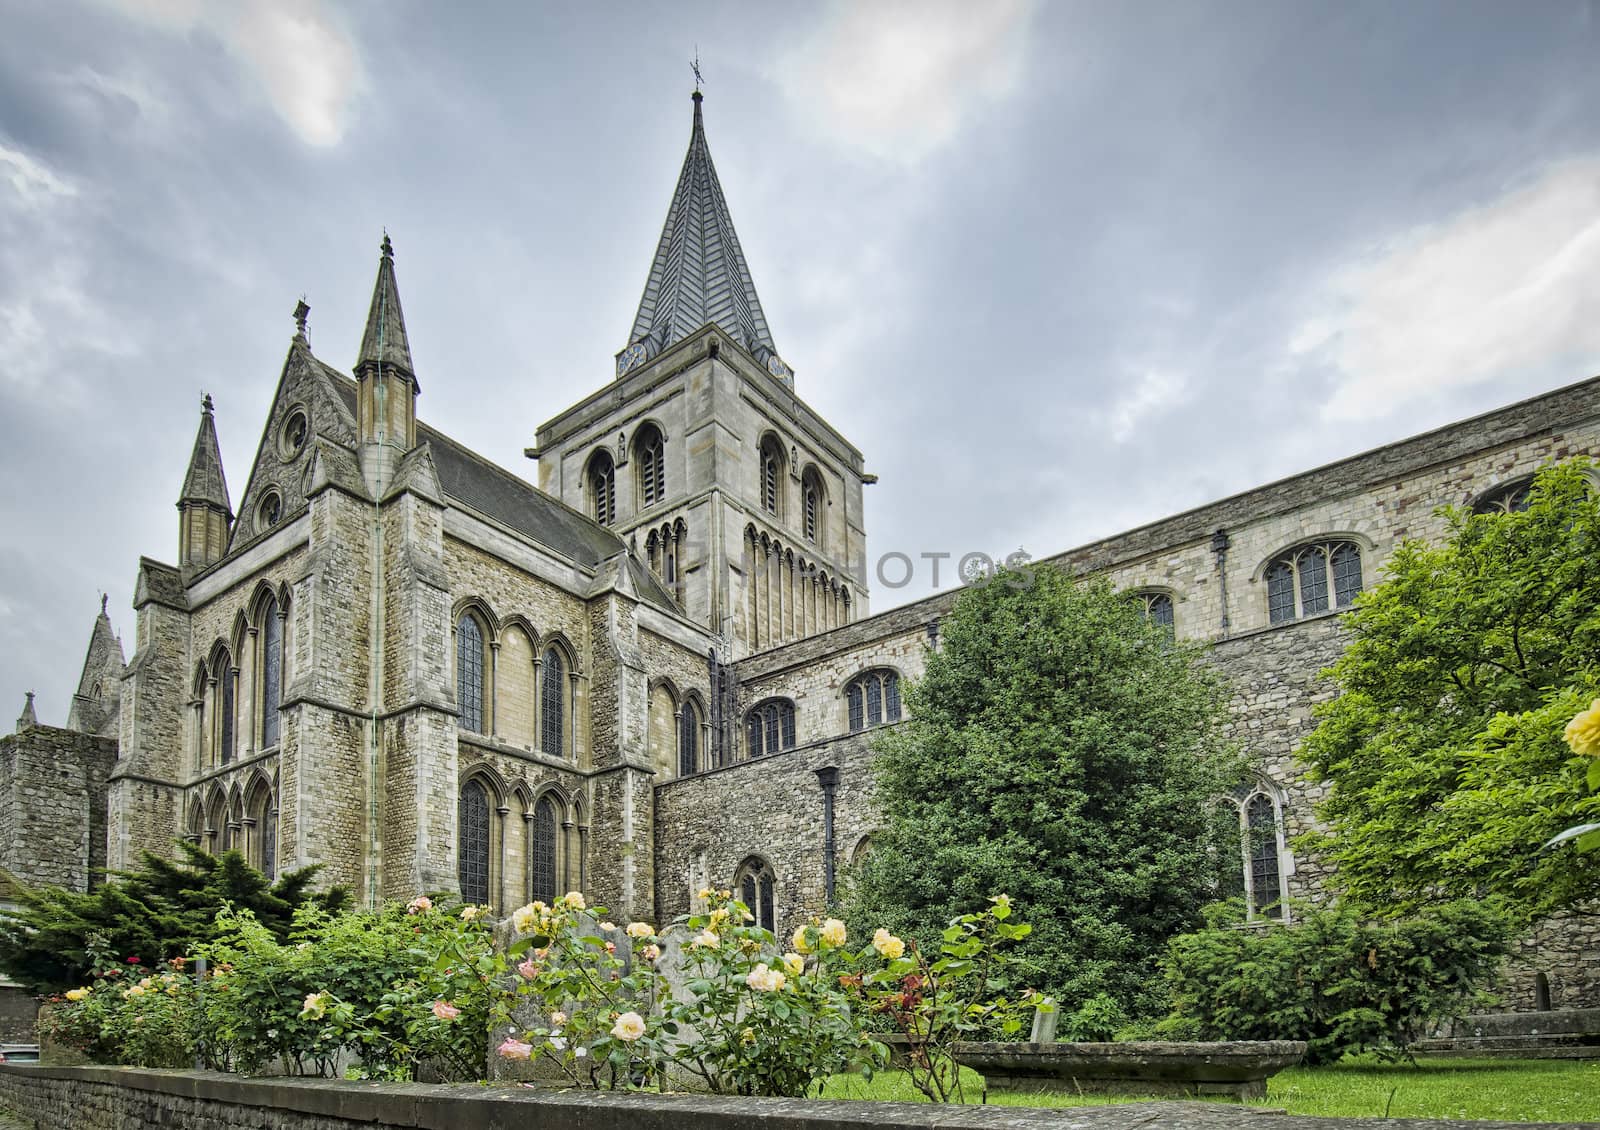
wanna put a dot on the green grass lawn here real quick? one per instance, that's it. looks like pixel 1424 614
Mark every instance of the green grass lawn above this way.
pixel 1529 1090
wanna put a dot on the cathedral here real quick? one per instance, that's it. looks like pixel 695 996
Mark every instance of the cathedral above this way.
pixel 655 669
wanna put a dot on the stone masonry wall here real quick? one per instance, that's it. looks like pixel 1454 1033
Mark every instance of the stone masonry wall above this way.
pixel 56 779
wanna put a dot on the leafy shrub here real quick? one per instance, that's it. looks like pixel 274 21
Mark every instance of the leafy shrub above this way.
pixel 128 1015
pixel 1097 1020
pixel 1339 983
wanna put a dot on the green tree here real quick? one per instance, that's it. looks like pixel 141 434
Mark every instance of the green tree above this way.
pixel 50 941
pixel 1062 750
pixel 1444 748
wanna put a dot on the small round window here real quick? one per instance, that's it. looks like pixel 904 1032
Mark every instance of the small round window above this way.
pixel 271 509
pixel 293 439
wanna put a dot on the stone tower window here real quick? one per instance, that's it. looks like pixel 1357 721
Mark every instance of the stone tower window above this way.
pixel 757 887
pixel 1299 582
pixel 543 864
pixel 650 457
pixel 873 698
pixel 602 486
pixel 772 476
pixel 1507 498
pixel 769 727
pixel 553 697
pixel 1156 607
pixel 473 862
pixel 811 500
pixel 688 739
pixel 469 673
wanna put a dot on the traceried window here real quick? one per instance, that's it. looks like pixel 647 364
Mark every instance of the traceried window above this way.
pixel 650 457
pixel 473 860
pixel 469 673
pixel 769 727
pixel 1508 498
pixel 545 829
pixel 602 486
pixel 270 636
pixel 757 889
pixel 873 698
pixel 1306 579
pixel 1156 607
pixel 226 679
pixel 1258 871
pixel 553 700
pixel 772 476
pixel 688 739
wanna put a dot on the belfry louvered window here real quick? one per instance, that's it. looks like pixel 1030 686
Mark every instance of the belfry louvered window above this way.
pixel 545 829
pixel 271 637
pixel 603 488
pixel 811 498
pixel 1301 581
pixel 469 674
pixel 552 696
pixel 650 451
pixel 769 727
pixel 771 476
pixel 473 861
pixel 873 698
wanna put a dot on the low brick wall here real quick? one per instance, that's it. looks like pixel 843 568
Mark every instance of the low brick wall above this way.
pixel 122 1098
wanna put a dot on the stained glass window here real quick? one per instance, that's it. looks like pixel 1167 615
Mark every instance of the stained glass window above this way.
pixel 1261 823
pixel 771 727
pixel 271 637
pixel 1313 566
pixel 545 828
pixel 226 674
pixel 473 864
pixel 469 674
pixel 1280 592
pixel 552 697
pixel 757 888
pixel 1346 558
pixel 688 739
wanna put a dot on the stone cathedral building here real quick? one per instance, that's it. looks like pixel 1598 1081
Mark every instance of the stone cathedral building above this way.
pixel 655 669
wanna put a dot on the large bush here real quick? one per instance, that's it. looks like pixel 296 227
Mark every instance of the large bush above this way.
pixel 1338 982
pixel 1064 750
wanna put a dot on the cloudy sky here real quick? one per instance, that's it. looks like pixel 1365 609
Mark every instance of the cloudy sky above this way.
pixel 1056 268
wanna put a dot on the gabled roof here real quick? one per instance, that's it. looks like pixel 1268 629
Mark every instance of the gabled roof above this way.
pixel 699 274
pixel 204 481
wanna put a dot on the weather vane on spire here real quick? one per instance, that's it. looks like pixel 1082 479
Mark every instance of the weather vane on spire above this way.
pixel 695 67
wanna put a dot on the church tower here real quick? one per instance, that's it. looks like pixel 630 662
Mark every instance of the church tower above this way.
pixel 204 513
pixel 744 501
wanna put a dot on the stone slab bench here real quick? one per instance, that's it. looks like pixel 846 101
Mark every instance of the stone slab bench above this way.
pixel 1572 1033
pixel 1238 1069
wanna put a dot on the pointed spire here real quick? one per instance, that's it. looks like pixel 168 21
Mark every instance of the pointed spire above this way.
pixel 384 343
pixel 28 719
pixel 699 274
pixel 205 482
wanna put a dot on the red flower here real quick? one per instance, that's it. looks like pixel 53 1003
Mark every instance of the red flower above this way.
pixel 133 960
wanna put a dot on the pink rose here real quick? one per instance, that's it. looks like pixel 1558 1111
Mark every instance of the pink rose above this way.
pixel 444 1010
pixel 515 1049
pixel 529 968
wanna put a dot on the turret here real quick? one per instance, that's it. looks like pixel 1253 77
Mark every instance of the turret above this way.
pixel 204 513
pixel 386 403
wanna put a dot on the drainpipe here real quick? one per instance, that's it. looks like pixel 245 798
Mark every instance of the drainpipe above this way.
pixel 1219 546
pixel 828 778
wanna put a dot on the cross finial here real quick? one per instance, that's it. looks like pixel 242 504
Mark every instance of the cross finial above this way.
pixel 699 78
pixel 301 310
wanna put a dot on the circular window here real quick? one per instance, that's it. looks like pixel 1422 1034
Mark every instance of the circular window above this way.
pixel 271 509
pixel 293 438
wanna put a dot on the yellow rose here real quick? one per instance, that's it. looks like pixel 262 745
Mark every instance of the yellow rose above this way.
pixel 1583 732
pixel 801 943
pixel 833 932
pixel 525 918
pixel 794 963
pixel 77 994
pixel 705 940
pixel 718 917
pixel 703 893
pixel 639 930
pixel 887 944
pixel 629 1026
pixel 574 900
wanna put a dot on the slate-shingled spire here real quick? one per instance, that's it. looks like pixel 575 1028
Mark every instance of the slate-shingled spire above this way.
pixel 699 274
pixel 386 384
pixel 204 512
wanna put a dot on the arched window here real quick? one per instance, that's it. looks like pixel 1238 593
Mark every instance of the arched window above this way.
pixel 270 640
pixel 553 705
pixel 873 698
pixel 1507 498
pixel 811 500
pixel 543 860
pixel 1299 582
pixel 262 815
pixel 1259 821
pixel 688 739
pixel 1156 607
pixel 769 727
pixel 469 673
pixel 473 863
pixel 772 476
pixel 602 483
pixel 650 457
pixel 226 678
pixel 757 887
